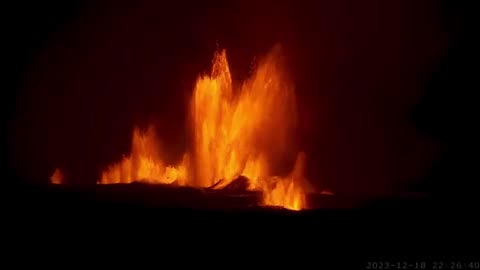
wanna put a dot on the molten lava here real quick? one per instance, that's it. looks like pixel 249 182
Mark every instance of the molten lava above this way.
pixel 144 164
pixel 236 131
pixel 57 177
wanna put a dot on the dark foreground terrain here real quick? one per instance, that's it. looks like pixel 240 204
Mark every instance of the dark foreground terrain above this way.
pixel 187 221
pixel 158 196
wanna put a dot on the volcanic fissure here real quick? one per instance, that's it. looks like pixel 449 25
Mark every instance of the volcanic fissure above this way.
pixel 237 134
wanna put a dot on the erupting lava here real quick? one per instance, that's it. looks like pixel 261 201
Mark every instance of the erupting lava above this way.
pixel 144 163
pixel 236 131
pixel 57 177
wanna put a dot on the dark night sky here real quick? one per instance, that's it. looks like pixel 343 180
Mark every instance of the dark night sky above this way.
pixel 89 72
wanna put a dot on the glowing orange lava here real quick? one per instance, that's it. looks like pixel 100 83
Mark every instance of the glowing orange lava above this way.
pixel 235 131
pixel 144 164
pixel 57 177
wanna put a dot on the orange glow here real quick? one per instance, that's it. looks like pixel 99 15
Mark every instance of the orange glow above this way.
pixel 57 177
pixel 236 130
pixel 143 164
pixel 288 192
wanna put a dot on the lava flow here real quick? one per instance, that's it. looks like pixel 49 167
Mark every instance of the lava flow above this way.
pixel 236 131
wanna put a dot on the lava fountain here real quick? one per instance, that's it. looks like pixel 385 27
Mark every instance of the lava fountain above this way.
pixel 235 130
